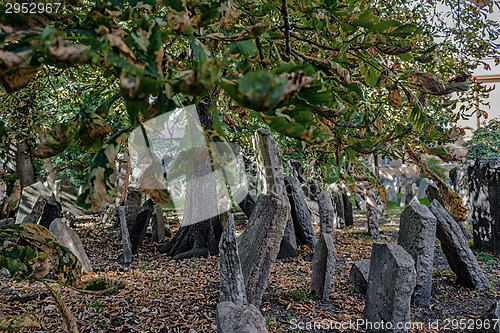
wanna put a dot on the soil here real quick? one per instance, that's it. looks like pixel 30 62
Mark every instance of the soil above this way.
pixel 162 295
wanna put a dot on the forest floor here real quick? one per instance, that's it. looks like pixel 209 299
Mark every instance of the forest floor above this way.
pixel 161 295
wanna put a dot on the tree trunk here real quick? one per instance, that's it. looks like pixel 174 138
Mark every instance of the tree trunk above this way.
pixel 121 187
pixel 198 239
pixel 24 165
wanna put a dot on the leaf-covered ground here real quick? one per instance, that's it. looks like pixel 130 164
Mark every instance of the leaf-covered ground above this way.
pixel 167 296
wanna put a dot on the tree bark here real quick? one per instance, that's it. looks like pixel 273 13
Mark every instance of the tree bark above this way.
pixel 199 239
pixel 121 187
pixel 24 165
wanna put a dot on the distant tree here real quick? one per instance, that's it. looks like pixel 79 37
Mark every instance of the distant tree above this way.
pixel 485 142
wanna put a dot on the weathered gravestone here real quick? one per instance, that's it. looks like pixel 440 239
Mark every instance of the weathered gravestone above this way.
pixel 371 213
pixel 159 225
pixel 360 202
pixel 271 174
pixel 29 196
pixel 259 244
pixel 484 187
pixel 232 283
pixel 127 247
pixel 67 197
pixel 391 188
pixel 456 249
pixel 141 225
pixel 245 201
pixel 359 274
pixel 313 207
pixel 349 217
pixel 323 265
pixel 232 318
pixel 489 322
pixel 417 233
pixel 414 201
pixel 459 177
pixel 301 216
pixel 44 212
pixel 338 206
pixel 70 239
pixel 409 192
pixel 132 206
pixel 422 187
pixel 390 286
pixel 297 170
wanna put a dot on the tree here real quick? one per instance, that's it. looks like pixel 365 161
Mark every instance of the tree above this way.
pixel 485 142
pixel 347 78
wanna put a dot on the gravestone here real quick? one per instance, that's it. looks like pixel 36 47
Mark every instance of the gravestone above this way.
pixel 433 194
pixel 301 216
pixel 422 187
pixel 141 225
pixel 417 233
pixel 127 247
pixel 456 249
pixel 313 207
pixel 349 217
pixel 45 211
pixel 484 188
pixel 68 238
pixel 338 206
pixel 323 266
pixel 271 174
pixel 232 283
pixel 359 274
pixel 297 170
pixel 489 322
pixel 390 286
pixel 360 202
pixel 232 318
pixel 391 188
pixel 158 224
pixel 67 197
pixel 459 177
pixel 245 201
pixel 259 244
pixel 7 221
pixel 409 193
pixel 371 213
pixel 29 196
pixel 414 201
pixel 326 213
pixel 132 206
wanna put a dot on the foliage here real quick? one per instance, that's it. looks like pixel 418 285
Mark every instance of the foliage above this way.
pixel 434 165
pixel 485 142
pixel 347 78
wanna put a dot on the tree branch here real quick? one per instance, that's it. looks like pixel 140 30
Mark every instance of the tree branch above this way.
pixel 356 126
pixel 261 52
pixel 284 11
pixel 314 43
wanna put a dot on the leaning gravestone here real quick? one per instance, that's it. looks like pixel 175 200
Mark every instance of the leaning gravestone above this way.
pixel 300 213
pixel 158 224
pixel 297 170
pixel 359 274
pixel 141 225
pixel 391 188
pixel 484 187
pixel 259 244
pixel 323 266
pixel 271 174
pixel 371 213
pixel 127 247
pixel 489 322
pixel 29 196
pixel 232 318
pixel 349 218
pixel 232 283
pixel 70 239
pixel 390 286
pixel 67 197
pixel 313 207
pixel 338 204
pixel 456 249
pixel 417 233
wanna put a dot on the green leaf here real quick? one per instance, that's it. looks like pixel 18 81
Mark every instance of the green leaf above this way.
pixel 174 4
pixel 385 25
pixel 246 48
pixel 405 30
pixel 366 19
pixel 133 110
pixel 199 51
